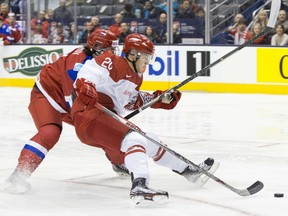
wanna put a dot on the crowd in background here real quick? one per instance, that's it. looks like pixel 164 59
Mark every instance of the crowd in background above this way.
pixel 56 26
pixel 240 31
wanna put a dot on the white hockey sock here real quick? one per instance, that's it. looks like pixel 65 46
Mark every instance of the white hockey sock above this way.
pixel 172 162
pixel 137 164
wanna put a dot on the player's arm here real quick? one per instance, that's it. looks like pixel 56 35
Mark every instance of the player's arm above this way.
pixel 168 102
pixel 89 76
pixel 86 92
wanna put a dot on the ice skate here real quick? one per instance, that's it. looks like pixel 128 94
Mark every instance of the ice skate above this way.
pixel 141 194
pixel 193 175
pixel 121 170
pixel 16 183
pixel 203 178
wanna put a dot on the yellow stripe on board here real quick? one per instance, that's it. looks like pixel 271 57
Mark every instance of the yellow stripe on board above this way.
pixel 17 82
pixel 192 86
pixel 219 87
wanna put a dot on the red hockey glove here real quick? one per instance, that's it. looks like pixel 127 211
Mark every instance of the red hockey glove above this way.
pixel 168 102
pixel 86 92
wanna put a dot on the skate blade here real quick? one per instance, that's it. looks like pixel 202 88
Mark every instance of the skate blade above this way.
pixel 123 175
pixel 202 180
pixel 151 201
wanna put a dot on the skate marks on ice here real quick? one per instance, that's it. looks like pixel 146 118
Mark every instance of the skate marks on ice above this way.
pixel 247 134
pixel 92 195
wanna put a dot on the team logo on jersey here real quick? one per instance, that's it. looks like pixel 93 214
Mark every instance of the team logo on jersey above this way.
pixel 31 60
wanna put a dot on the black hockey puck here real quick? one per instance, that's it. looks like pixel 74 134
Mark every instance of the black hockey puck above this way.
pixel 278 195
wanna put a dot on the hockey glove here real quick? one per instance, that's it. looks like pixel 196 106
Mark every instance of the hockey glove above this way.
pixel 86 92
pixel 168 102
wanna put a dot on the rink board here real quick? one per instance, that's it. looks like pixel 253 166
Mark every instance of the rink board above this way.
pixel 250 70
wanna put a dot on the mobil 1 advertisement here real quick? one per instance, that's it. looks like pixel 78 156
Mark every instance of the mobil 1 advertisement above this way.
pixel 177 63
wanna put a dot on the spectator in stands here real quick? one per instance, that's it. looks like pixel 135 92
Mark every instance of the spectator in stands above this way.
pixel 149 11
pixel 15 28
pixel 261 18
pixel 280 38
pixel 161 27
pixel 234 25
pixel 229 33
pixel 116 28
pixel 282 19
pixel 195 6
pixel 151 34
pixel 4 10
pixel 185 10
pixel 95 20
pixel 62 14
pixel 255 30
pixel 44 24
pixel 128 11
pixel 37 36
pixel 134 26
pixel 200 17
pixel 16 7
pixel 59 35
pixel 200 12
pixel 163 6
pixel 49 15
pixel 88 30
pixel 177 38
pixel 138 7
pixel 125 31
pixel 6 37
pixel 71 33
pixel 242 34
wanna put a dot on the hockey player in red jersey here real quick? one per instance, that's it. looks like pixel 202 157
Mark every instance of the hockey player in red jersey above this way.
pixel 115 83
pixel 51 95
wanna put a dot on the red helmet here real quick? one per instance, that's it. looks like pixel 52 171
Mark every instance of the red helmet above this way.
pixel 101 37
pixel 138 42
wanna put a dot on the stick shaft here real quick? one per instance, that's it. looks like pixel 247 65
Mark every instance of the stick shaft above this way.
pixel 136 129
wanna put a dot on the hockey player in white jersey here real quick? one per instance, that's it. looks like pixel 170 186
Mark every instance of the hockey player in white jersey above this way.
pixel 114 82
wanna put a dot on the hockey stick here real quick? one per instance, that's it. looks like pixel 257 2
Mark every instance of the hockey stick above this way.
pixel 275 7
pixel 254 188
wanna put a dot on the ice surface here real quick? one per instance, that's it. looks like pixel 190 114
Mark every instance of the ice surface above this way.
pixel 246 133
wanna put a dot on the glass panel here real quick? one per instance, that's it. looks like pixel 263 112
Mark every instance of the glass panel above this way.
pixel 71 21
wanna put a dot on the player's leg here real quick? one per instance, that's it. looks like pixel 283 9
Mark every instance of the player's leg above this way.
pixel 136 149
pixel 49 125
pixel 99 130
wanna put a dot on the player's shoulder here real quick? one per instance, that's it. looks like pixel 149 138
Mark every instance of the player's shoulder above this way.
pixel 76 54
pixel 107 57
pixel 111 62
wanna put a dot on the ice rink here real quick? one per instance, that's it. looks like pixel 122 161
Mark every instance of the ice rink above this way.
pixel 247 134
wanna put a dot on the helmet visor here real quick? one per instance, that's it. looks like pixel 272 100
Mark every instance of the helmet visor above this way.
pixel 146 57
pixel 149 58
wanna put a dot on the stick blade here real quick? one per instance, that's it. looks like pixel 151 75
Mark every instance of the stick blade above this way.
pixel 254 188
